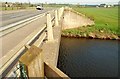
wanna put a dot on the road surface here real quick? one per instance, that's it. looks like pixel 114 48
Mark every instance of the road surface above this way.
pixel 17 16
pixel 12 39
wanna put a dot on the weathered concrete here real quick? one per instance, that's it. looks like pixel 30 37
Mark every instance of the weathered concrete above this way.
pixel 33 60
pixel 53 72
pixel 56 18
pixel 49 28
pixel 73 20
pixel 51 48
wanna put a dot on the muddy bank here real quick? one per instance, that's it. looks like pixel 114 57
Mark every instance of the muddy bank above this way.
pixel 91 36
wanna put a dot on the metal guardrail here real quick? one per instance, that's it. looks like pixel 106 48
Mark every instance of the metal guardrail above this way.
pixel 18 50
pixel 9 28
pixel 36 38
pixel 18 23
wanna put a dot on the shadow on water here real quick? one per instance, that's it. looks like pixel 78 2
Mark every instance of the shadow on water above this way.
pixel 88 57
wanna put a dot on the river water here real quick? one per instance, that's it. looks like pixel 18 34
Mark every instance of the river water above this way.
pixel 88 57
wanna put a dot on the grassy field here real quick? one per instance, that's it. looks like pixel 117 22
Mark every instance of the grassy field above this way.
pixel 106 19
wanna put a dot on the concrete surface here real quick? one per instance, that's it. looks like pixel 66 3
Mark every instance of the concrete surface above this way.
pixel 11 40
pixel 51 48
pixel 73 20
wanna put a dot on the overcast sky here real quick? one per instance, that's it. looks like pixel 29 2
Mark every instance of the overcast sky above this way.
pixel 67 1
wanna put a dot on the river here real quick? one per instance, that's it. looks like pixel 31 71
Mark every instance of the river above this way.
pixel 88 57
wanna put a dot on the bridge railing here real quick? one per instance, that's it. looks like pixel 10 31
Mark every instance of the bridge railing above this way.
pixel 9 62
pixel 35 66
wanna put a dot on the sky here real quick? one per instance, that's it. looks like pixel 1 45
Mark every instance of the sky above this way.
pixel 67 1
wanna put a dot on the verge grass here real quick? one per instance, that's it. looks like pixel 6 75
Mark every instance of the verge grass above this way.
pixel 15 8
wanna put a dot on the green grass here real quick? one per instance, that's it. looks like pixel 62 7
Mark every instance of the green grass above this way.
pixel 15 8
pixel 105 19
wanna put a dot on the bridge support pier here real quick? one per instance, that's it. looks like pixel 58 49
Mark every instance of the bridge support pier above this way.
pixel 49 28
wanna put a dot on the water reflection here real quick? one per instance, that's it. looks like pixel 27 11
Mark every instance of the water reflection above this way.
pixel 88 57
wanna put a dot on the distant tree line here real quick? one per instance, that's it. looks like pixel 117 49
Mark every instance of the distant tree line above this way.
pixel 100 5
pixel 18 5
pixel 55 5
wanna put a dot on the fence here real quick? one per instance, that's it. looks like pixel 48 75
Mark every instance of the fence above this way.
pixel 9 63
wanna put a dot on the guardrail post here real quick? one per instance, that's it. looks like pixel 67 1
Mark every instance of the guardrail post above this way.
pixel 56 18
pixel 33 60
pixel 59 14
pixel 49 28
pixel 62 10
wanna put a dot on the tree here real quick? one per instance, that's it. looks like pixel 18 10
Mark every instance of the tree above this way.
pixel 6 5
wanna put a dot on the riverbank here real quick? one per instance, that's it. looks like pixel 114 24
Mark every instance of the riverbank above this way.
pixel 105 25
pixel 91 36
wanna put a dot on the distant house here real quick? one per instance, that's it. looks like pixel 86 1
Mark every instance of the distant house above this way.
pixel 6 4
pixel 105 6
pixel 97 6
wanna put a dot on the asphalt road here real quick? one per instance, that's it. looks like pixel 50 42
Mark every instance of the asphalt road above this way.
pixel 9 41
pixel 18 16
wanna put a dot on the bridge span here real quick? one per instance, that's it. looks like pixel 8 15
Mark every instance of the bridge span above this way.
pixel 37 54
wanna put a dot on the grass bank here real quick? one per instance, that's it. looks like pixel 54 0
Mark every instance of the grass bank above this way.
pixel 106 23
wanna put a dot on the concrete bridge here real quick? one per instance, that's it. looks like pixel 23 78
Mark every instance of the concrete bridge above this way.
pixel 37 54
